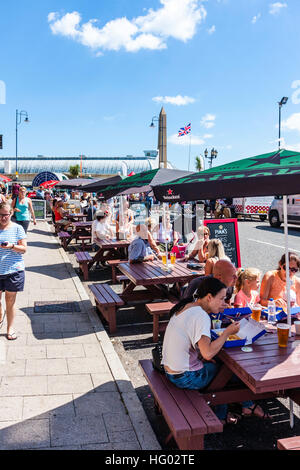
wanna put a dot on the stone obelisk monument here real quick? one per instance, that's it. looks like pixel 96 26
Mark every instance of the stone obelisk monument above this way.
pixel 162 139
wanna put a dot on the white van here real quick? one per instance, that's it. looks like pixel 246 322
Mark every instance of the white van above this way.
pixel 293 210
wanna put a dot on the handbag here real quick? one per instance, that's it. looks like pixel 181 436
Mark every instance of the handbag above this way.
pixel 157 357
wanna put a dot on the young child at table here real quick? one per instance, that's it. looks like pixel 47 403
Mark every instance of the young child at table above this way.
pixel 247 286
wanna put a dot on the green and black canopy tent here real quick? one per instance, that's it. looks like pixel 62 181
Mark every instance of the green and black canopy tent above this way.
pixel 274 173
pixel 139 183
pixel 80 183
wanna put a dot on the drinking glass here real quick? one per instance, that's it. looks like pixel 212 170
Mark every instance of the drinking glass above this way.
pixel 256 311
pixel 283 334
pixel 164 258
pixel 173 258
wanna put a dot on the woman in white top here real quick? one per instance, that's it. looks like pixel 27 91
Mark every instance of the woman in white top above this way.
pixel 101 229
pixel 188 349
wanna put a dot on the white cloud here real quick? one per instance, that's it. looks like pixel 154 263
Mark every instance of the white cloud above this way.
pixel 175 100
pixel 292 123
pixel 208 121
pixel 177 19
pixel 295 147
pixel 255 18
pixel 186 140
pixel 275 8
pixel 212 30
pixel 208 136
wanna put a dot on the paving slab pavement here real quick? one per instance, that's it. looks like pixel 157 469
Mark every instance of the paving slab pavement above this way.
pixel 62 385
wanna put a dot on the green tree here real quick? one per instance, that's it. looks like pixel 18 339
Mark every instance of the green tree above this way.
pixel 199 164
pixel 74 170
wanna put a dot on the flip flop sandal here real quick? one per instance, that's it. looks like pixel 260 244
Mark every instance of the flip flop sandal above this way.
pixel 231 418
pixel 11 336
pixel 2 321
pixel 265 415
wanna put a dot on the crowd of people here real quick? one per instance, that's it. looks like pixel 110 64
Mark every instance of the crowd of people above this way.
pixel 189 354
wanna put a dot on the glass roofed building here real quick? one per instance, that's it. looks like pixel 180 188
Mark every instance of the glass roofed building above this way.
pixel 95 166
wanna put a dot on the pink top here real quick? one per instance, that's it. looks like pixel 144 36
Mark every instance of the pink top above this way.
pixel 242 300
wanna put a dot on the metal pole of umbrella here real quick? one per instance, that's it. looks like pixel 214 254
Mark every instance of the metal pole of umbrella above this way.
pixel 288 287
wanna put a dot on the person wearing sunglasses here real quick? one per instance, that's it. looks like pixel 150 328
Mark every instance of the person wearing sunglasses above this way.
pixel 273 284
pixel 12 270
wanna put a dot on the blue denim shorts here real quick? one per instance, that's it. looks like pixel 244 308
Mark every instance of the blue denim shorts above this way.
pixel 13 282
pixel 195 379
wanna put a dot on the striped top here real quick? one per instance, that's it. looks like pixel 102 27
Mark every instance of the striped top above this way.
pixel 10 261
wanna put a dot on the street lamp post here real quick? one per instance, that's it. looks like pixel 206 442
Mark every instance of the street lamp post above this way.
pixel 280 104
pixel 212 156
pixel 152 125
pixel 20 115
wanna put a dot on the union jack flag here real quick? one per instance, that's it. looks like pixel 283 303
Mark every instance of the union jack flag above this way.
pixel 184 130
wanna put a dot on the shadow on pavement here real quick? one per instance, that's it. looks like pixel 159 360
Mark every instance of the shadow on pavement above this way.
pixel 96 419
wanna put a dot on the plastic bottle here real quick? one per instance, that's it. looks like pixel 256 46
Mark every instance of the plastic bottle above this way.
pixel 272 312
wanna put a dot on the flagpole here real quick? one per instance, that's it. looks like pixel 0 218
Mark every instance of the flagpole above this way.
pixel 190 150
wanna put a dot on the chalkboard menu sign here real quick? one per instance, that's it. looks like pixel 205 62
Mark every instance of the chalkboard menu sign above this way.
pixel 226 230
pixel 39 208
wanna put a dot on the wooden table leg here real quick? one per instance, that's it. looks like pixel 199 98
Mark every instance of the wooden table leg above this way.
pixel 221 379
pixel 97 257
pixel 155 327
pixel 85 271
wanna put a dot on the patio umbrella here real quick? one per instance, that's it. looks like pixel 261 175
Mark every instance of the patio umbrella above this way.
pixel 4 179
pixel 97 184
pixel 72 183
pixel 263 175
pixel 49 184
pixel 274 173
pixel 142 182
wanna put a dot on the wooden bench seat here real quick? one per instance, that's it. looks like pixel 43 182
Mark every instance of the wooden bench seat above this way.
pixel 185 411
pixel 106 302
pixel 64 237
pixel 83 258
pixel 290 443
pixel 113 263
pixel 157 310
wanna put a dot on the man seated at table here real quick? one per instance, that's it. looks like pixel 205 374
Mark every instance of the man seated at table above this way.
pixel 139 249
pixel 223 270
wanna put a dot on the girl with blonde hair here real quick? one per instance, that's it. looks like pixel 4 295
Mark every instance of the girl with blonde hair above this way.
pixel 201 245
pixel 215 252
pixel 247 287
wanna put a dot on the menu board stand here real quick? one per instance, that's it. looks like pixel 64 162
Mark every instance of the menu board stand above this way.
pixel 39 208
pixel 226 230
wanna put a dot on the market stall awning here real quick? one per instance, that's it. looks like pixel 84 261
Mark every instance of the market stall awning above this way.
pixel 274 173
pixel 142 182
pixel 49 184
pixel 97 184
pixel 4 179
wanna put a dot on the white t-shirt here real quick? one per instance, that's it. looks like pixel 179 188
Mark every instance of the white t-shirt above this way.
pixel 99 230
pixel 180 351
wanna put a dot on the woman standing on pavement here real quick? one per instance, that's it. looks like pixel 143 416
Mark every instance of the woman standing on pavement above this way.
pixel 12 276
pixel 22 207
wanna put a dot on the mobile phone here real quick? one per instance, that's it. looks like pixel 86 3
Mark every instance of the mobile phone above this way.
pixel 4 243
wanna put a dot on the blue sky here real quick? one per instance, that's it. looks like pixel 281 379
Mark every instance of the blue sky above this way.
pixel 92 74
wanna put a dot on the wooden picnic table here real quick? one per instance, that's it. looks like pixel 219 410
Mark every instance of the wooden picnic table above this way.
pixel 267 371
pixel 77 217
pixel 80 229
pixel 109 250
pixel 151 275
